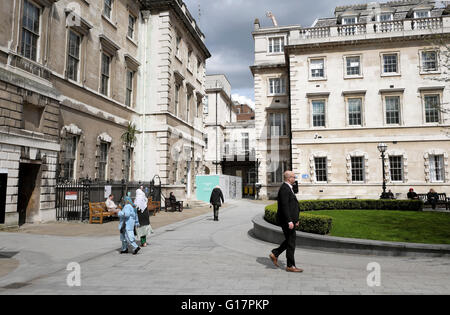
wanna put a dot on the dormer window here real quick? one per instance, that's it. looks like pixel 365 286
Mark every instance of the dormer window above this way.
pixel 349 20
pixel 276 44
pixel 385 17
pixel 421 14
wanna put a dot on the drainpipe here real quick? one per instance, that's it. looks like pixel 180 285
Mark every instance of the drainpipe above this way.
pixel 146 17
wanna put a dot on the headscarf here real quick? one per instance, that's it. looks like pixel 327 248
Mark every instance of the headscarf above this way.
pixel 141 200
pixel 128 200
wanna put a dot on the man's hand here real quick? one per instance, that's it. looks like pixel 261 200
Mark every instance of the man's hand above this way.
pixel 291 225
pixel 297 224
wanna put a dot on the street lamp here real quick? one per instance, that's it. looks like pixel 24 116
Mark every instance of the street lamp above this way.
pixel 382 147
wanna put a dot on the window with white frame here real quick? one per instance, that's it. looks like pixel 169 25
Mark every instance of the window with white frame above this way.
pixel 385 17
pixel 189 60
pixel 354 111
pixel 129 88
pixel 73 55
pixel 131 26
pixel 245 142
pixel 432 108
pixel 103 162
pixel 396 168
pixel 70 155
pixel 276 44
pixel 437 171
pixel 358 170
pixel 349 20
pixel 421 14
pixel 318 113
pixel 392 110
pixel 30 30
pixel 320 168
pixel 390 64
pixel 317 68
pixel 104 84
pixel 277 86
pixel 278 124
pixel 107 8
pixel 277 176
pixel 178 45
pixel 353 65
pixel 429 61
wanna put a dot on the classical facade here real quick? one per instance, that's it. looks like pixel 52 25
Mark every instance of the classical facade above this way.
pixel 332 92
pixel 173 52
pixel 73 75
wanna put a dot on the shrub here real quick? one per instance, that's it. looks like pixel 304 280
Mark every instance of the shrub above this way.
pixel 309 223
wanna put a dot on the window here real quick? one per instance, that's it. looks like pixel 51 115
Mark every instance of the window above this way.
pixel 102 165
pixel 178 44
pixel 357 169
pixel 177 98
pixel 131 25
pixel 320 164
pixel 421 14
pixel 353 66
pixel 349 20
pixel 432 105
pixel 188 104
pixel 199 67
pixel 278 124
pixel 129 92
pixel 392 110
pixel 390 63
pixel 277 86
pixel 107 8
pixel 30 31
pixel 355 111
pixel 278 175
pixel 318 116
pixel 276 44
pixel 106 61
pixel 245 143
pixel 396 168
pixel 70 155
pixel 73 59
pixel 437 168
pixel 317 68
pixel 189 61
pixel 385 17
pixel 429 61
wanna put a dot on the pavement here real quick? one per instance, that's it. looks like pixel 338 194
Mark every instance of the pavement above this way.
pixel 198 256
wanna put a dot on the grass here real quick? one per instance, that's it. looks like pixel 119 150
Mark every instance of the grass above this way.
pixel 394 226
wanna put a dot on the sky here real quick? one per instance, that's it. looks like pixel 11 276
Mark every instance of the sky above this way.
pixel 228 24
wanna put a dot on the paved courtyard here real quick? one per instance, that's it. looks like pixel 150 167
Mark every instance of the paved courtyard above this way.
pixel 200 256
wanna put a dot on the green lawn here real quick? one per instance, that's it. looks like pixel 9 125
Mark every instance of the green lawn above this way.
pixel 394 226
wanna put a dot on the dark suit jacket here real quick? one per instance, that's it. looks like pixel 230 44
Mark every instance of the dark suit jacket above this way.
pixel 288 209
pixel 216 196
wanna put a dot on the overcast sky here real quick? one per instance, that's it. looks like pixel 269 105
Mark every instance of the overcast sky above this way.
pixel 227 25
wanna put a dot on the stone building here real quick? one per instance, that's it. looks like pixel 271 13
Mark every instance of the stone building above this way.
pixel 330 93
pixel 173 54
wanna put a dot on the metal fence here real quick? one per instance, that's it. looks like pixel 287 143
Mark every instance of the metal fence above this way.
pixel 73 197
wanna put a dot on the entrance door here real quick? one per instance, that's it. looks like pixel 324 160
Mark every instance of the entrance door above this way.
pixel 29 194
pixel 3 187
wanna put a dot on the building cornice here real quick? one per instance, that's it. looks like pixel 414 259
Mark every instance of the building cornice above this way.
pixel 256 68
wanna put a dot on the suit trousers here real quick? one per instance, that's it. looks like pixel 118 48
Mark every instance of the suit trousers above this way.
pixel 288 245
pixel 216 212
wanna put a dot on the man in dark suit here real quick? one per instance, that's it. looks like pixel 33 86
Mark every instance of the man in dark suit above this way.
pixel 216 197
pixel 288 216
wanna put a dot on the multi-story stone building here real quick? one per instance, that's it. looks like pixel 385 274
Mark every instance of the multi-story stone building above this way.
pixel 73 75
pixel 372 73
pixel 174 56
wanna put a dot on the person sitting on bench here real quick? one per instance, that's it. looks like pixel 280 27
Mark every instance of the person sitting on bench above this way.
pixel 110 205
pixel 412 194
pixel 433 198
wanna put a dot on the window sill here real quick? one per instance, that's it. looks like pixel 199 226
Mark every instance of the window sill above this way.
pixel 389 75
pixel 317 79
pixel 350 77
pixel 277 95
pixel 422 72
pixel 275 53
pixel 109 21
pixel 177 57
pixel 132 41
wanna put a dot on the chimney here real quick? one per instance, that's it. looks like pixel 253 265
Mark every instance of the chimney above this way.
pixel 256 24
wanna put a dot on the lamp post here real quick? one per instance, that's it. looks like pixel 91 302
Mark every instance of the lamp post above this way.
pixel 382 147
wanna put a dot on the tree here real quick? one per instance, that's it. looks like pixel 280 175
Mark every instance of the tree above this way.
pixel 129 137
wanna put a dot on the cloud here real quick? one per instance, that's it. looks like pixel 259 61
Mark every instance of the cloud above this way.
pixel 243 100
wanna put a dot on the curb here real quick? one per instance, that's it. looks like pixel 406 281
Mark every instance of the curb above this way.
pixel 268 232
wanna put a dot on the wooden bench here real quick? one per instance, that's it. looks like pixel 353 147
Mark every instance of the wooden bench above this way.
pixel 154 206
pixel 443 200
pixel 174 206
pixel 97 211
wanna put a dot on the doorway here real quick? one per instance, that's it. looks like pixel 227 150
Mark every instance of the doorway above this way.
pixel 29 194
pixel 3 188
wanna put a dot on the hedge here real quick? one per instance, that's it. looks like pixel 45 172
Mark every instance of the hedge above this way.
pixel 316 224
pixel 309 223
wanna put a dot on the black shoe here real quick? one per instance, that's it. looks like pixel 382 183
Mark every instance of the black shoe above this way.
pixel 124 251
pixel 136 250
